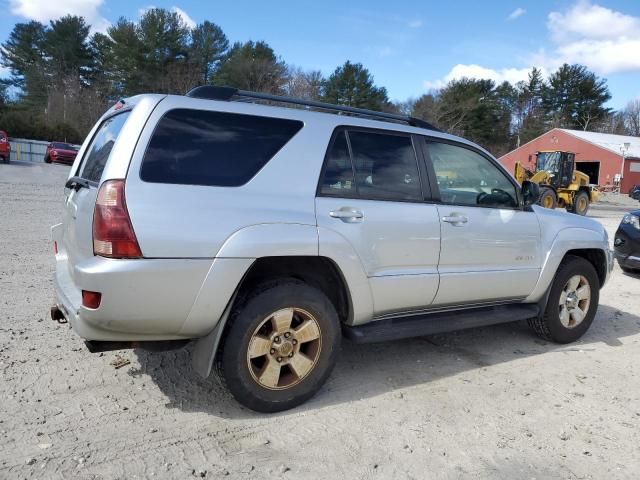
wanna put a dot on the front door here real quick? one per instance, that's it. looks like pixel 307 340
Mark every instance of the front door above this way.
pixel 490 246
pixel 371 194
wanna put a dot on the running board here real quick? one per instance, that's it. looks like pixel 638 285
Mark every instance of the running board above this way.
pixel 438 322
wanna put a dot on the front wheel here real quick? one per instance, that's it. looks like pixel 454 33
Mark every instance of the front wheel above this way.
pixel 572 303
pixel 548 198
pixel 47 159
pixel 580 203
pixel 280 347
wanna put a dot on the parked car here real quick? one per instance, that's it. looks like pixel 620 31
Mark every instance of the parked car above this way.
pixel 265 233
pixel 635 193
pixel 60 152
pixel 633 188
pixel 5 147
pixel 626 243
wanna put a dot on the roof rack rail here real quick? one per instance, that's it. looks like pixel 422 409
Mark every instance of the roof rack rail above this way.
pixel 210 92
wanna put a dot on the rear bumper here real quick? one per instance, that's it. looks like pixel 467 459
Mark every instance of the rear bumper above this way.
pixel 146 299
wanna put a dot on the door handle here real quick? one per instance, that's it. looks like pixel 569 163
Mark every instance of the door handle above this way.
pixel 456 220
pixel 347 214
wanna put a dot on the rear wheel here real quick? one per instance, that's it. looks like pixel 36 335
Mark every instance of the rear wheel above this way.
pixel 547 198
pixel 280 347
pixel 580 203
pixel 572 304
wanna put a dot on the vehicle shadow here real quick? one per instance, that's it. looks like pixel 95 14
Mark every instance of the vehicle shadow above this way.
pixel 364 371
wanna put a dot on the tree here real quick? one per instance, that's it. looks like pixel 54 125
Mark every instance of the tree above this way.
pixel 574 97
pixel 252 66
pixel 301 84
pixel 632 117
pixel 23 54
pixel 209 45
pixel 67 49
pixel 427 107
pixel 528 114
pixel 351 84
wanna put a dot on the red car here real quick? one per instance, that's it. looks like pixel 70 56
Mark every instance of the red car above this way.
pixel 59 152
pixel 5 147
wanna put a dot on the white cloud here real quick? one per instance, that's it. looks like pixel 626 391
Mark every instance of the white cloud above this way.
pixel 45 10
pixel 603 39
pixel 511 75
pixel 417 23
pixel 190 22
pixel 517 13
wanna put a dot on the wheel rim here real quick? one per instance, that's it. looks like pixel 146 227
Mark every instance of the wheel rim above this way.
pixel 284 348
pixel 547 202
pixel 582 204
pixel 575 299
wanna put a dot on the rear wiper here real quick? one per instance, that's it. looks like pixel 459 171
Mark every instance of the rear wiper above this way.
pixel 77 183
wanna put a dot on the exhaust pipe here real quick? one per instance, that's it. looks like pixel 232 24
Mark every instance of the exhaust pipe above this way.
pixel 57 314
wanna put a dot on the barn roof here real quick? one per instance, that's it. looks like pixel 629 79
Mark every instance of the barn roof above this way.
pixel 609 141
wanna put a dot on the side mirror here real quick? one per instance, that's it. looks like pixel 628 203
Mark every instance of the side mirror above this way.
pixel 530 192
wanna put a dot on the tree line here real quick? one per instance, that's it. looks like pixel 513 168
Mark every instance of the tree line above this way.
pixel 63 77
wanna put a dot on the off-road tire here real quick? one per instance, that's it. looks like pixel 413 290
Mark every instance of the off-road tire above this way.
pixel 248 314
pixel 548 198
pixel 580 203
pixel 548 326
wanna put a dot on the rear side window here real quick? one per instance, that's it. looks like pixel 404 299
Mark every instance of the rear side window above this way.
pixel 199 147
pixel 99 150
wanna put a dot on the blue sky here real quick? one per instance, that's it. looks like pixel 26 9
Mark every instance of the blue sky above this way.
pixel 409 46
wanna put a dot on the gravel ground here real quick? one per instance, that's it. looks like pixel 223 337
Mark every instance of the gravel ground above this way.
pixel 492 402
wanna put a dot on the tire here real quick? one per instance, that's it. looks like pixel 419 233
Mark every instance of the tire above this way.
pixel 47 159
pixel 550 326
pixel 299 367
pixel 580 203
pixel 548 198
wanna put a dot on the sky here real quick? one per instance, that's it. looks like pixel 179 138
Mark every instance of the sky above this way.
pixel 410 47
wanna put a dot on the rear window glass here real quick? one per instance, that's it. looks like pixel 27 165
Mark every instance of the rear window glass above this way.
pixel 99 150
pixel 199 147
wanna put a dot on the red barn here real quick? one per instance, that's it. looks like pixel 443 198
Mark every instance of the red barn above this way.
pixel 599 155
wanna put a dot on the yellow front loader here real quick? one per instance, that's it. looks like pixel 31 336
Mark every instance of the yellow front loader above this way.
pixel 561 185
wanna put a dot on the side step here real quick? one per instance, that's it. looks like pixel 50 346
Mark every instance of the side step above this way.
pixel 438 322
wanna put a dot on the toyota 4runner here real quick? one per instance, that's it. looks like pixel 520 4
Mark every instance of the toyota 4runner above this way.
pixel 264 234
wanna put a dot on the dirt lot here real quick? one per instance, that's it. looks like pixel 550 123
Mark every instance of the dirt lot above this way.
pixel 487 403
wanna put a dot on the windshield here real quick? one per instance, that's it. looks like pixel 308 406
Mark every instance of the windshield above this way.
pixel 64 146
pixel 548 161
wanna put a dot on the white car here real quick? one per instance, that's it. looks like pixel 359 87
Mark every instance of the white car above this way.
pixel 266 233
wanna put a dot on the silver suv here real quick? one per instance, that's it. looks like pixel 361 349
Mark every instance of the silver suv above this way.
pixel 264 234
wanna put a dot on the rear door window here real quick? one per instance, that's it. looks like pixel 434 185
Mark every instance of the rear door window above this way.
pixel 200 147
pixel 99 150
pixel 384 164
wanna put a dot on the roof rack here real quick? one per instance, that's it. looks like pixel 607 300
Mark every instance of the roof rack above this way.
pixel 210 92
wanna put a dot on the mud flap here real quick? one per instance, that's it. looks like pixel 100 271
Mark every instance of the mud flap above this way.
pixel 205 348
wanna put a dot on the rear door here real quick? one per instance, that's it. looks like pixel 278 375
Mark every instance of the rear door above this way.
pixel 371 193
pixel 490 245
pixel 77 241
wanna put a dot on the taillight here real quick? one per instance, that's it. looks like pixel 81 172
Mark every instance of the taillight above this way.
pixel 113 234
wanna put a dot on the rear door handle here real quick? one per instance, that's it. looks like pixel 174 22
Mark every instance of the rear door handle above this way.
pixel 455 219
pixel 347 214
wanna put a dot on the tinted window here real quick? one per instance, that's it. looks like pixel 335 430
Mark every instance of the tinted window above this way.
pixel 386 166
pixel 98 152
pixel 338 172
pixel 63 146
pixel 467 178
pixel 198 147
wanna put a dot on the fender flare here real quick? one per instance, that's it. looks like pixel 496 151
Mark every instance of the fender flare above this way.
pixel 571 238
